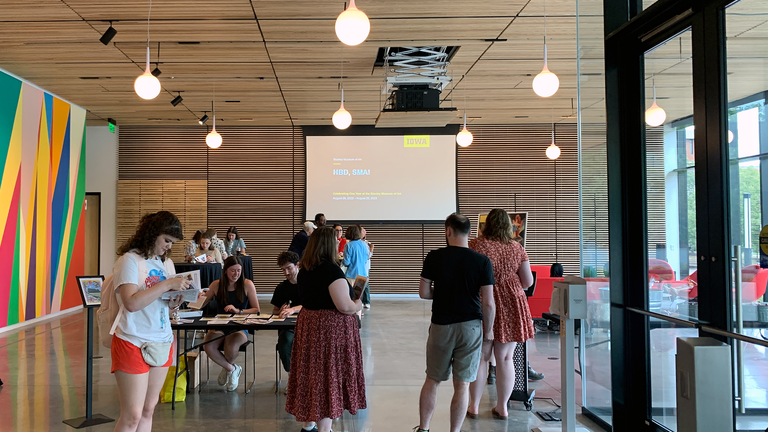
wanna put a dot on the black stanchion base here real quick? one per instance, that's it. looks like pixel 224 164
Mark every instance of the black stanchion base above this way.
pixel 83 422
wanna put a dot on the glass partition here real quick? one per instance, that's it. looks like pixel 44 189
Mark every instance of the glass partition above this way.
pixel 593 196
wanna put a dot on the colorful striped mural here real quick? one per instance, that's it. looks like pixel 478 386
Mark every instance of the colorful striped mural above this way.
pixel 42 188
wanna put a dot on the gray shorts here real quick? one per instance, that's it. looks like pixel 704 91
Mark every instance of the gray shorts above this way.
pixel 454 345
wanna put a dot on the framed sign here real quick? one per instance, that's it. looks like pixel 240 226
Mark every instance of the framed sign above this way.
pixel 90 290
pixel 519 225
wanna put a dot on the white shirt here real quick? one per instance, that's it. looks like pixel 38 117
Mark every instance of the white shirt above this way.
pixel 152 323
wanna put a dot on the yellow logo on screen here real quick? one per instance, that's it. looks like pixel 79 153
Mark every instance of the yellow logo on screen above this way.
pixel 416 140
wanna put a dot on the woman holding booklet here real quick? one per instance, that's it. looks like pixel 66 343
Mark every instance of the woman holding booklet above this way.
pixel 234 295
pixel 326 363
pixel 142 345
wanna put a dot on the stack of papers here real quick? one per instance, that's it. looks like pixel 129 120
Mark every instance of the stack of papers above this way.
pixel 218 321
pixel 258 321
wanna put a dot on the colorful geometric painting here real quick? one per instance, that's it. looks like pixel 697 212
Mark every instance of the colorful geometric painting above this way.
pixel 42 188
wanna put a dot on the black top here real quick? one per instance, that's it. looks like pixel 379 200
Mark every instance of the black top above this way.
pixel 457 274
pixel 232 299
pixel 286 292
pixel 299 243
pixel 313 286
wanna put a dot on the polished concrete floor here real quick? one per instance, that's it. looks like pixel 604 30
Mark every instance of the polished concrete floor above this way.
pixel 43 368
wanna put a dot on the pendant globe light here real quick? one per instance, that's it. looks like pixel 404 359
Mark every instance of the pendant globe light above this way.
pixel 147 86
pixel 553 151
pixel 352 25
pixel 546 83
pixel 464 138
pixel 342 118
pixel 655 115
pixel 213 139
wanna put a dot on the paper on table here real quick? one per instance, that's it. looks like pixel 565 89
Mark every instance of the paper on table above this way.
pixel 278 319
pixel 255 316
pixel 218 321
pixel 240 316
pixel 208 318
pixel 258 321
pixel 182 321
pixel 223 315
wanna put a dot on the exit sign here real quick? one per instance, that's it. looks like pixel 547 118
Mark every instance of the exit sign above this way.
pixel 112 128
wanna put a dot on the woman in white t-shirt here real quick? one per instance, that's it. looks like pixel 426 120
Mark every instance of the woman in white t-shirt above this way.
pixel 141 275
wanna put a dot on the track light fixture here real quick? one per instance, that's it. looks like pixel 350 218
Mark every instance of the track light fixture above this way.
pixel 203 119
pixel 156 72
pixel 106 38
pixel 177 100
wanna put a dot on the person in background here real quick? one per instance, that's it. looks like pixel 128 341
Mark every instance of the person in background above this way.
pixel 217 243
pixel 356 255
pixel 320 220
pixel 233 244
pixel 327 364
pixel 461 278
pixel 366 296
pixel 339 231
pixel 286 302
pixel 206 248
pixel 513 323
pixel 299 241
pixel 145 318
pixel 192 245
pixel 234 295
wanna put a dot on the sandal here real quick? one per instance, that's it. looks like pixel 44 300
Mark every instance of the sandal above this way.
pixel 497 416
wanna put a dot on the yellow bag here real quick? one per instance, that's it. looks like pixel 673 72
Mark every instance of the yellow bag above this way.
pixel 166 394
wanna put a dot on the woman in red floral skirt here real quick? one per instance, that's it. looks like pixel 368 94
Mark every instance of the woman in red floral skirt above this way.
pixel 513 323
pixel 327 364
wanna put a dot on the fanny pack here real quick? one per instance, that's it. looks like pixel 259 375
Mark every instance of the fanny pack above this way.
pixel 156 353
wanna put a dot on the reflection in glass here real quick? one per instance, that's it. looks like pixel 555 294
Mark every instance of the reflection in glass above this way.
pixel 747 141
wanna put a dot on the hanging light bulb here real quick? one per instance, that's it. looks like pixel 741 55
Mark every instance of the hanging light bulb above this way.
pixel 546 83
pixel 342 118
pixel 655 115
pixel 553 151
pixel 464 138
pixel 147 86
pixel 352 25
pixel 213 139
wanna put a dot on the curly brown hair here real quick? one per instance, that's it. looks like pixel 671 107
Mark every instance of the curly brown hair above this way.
pixel 322 247
pixel 151 226
pixel 498 226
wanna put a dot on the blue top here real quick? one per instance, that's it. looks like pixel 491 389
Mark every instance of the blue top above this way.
pixel 356 256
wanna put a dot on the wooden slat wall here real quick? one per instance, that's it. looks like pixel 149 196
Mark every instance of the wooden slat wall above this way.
pixel 595 193
pixel 256 182
pixel 183 198
pixel 506 167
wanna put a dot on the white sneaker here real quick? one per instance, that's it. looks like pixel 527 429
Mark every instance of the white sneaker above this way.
pixel 367 306
pixel 223 377
pixel 233 378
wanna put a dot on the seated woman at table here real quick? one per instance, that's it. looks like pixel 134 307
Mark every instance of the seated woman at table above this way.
pixel 192 245
pixel 206 248
pixel 233 244
pixel 233 294
pixel 326 363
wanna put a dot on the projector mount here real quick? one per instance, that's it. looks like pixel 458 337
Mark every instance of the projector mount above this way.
pixel 417 66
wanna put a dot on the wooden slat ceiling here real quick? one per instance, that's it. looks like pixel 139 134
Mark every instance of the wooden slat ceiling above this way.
pixel 282 62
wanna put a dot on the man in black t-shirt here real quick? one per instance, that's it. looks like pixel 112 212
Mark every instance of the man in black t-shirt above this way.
pixel 285 302
pixel 454 277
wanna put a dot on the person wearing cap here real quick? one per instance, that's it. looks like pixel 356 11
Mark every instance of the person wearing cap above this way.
pixel 299 242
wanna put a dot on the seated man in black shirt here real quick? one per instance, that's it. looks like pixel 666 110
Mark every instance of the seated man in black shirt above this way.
pixel 456 335
pixel 286 302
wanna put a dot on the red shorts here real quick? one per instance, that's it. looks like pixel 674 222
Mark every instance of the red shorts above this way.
pixel 126 357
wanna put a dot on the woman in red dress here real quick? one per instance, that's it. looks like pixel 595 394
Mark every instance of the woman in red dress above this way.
pixel 513 323
pixel 327 361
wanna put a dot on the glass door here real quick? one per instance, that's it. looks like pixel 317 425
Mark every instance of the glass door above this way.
pixel 747 142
